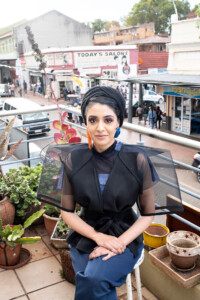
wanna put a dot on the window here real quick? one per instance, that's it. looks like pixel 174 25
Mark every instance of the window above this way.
pixel 161 48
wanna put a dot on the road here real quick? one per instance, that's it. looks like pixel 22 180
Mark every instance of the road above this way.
pixel 187 179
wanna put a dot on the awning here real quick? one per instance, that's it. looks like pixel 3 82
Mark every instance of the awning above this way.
pixel 168 79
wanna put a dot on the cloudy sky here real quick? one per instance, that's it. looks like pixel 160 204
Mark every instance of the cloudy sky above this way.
pixel 80 10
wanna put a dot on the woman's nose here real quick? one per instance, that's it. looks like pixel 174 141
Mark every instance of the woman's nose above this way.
pixel 100 126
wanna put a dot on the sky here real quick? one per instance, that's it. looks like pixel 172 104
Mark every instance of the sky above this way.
pixel 81 10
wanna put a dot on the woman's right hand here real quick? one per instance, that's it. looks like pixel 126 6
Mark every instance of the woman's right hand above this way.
pixel 109 242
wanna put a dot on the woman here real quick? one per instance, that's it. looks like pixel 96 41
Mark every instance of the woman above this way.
pixel 106 178
pixel 159 114
pixel 152 116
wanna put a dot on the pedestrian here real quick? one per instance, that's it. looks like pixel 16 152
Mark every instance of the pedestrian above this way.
pixel 20 90
pixel 25 87
pixel 159 114
pixel 145 111
pixel 106 178
pixel 152 116
pixel 12 89
pixel 65 93
pixel 139 112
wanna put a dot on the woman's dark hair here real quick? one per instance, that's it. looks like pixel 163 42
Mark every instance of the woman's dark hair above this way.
pixel 105 95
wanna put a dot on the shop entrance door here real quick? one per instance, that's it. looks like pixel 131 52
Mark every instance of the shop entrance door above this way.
pixel 182 115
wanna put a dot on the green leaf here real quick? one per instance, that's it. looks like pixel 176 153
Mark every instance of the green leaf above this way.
pixel 33 218
pixel 28 240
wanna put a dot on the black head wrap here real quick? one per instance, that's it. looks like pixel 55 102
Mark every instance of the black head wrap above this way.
pixel 105 95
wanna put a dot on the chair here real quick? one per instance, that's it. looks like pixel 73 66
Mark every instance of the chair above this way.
pixel 138 281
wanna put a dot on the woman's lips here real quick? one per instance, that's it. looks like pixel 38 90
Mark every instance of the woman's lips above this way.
pixel 100 136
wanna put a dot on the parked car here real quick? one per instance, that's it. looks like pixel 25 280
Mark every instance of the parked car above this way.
pixel 4 90
pixel 196 164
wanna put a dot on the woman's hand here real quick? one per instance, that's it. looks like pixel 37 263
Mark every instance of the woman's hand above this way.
pixel 110 242
pixel 99 251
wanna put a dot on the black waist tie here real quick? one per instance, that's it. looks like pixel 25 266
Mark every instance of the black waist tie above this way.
pixel 109 223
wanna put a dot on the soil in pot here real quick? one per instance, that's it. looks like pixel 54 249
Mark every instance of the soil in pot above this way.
pixel 7 210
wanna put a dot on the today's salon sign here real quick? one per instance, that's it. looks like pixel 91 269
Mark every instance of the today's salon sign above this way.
pixel 100 58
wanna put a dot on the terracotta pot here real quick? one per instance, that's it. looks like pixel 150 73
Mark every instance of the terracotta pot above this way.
pixel 9 257
pixel 184 248
pixel 7 210
pixel 50 223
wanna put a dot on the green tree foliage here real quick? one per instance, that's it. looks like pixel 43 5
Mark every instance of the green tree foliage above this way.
pixel 98 25
pixel 108 25
pixel 157 11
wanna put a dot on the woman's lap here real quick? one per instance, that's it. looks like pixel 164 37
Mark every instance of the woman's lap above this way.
pixel 116 268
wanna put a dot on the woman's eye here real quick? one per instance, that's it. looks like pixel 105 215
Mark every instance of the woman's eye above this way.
pixel 108 120
pixel 92 120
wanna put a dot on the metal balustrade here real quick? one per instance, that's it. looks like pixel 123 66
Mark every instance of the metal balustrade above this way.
pixel 136 128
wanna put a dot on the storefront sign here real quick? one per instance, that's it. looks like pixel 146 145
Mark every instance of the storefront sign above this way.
pixel 64 58
pixel 182 91
pixel 100 58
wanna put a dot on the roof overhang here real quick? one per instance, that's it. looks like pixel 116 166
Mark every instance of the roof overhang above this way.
pixel 168 79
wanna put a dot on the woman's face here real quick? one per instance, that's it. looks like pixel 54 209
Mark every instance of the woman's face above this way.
pixel 102 123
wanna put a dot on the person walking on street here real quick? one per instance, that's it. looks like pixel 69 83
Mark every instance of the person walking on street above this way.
pixel 139 112
pixel 159 118
pixel 25 87
pixel 145 111
pixel 152 116
pixel 12 89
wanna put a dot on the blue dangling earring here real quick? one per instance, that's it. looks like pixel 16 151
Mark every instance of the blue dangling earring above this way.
pixel 117 133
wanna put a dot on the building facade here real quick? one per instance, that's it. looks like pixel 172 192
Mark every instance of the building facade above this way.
pixel 105 62
pixel 123 35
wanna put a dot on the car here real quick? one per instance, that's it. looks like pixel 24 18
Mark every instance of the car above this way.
pixel 4 90
pixel 151 95
pixel 196 164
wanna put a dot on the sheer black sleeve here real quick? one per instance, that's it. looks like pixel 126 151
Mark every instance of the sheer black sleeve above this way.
pixel 160 192
pixel 54 186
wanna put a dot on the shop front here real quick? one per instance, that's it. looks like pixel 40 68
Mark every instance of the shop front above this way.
pixel 185 106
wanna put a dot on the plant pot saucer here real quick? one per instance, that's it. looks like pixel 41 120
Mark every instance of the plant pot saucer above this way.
pixel 25 257
pixel 181 269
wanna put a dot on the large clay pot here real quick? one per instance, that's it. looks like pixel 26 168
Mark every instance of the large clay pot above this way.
pixel 9 257
pixel 50 223
pixel 7 210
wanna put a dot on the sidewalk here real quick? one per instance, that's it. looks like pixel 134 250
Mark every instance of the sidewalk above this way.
pixel 40 278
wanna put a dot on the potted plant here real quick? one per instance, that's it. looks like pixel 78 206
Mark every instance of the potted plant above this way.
pixel 11 240
pixel 58 237
pixel 7 210
pixel 51 216
pixel 20 185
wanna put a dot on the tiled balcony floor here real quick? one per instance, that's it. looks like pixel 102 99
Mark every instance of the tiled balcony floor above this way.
pixel 40 278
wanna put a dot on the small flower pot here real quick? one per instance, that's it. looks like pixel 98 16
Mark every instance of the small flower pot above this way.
pixel 155 235
pixel 57 241
pixel 8 256
pixel 7 210
pixel 184 248
pixel 50 223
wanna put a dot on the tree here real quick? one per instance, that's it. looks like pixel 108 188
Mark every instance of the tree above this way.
pixel 98 25
pixel 157 11
pixel 108 25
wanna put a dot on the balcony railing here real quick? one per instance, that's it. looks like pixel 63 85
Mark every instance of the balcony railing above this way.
pixel 132 127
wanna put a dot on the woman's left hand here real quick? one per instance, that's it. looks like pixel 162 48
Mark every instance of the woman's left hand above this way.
pixel 99 251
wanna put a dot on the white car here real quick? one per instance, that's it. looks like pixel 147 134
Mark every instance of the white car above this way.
pixel 149 96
